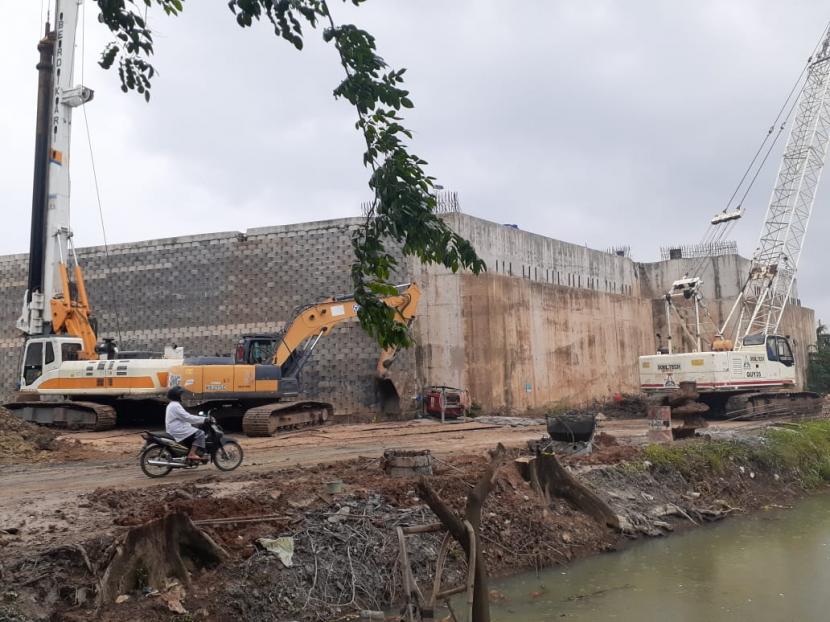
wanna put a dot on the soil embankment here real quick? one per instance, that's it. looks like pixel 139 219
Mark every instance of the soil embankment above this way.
pixel 345 553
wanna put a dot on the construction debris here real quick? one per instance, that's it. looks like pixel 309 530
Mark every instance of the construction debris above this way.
pixel 21 441
pixel 513 422
pixel 281 547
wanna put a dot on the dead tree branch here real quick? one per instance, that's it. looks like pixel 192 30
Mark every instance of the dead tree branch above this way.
pixel 472 514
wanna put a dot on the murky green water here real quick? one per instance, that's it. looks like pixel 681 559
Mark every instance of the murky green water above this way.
pixel 770 567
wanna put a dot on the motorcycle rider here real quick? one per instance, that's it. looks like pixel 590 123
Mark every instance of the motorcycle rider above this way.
pixel 180 425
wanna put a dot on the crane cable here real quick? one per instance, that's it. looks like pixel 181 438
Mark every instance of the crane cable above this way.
pixel 112 288
pixel 784 123
pixel 716 234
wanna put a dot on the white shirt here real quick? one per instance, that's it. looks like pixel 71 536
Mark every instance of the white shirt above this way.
pixel 177 421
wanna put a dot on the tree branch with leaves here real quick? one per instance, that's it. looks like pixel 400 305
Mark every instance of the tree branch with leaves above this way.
pixel 402 211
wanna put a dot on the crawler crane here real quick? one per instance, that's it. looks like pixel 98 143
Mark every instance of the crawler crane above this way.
pixel 749 369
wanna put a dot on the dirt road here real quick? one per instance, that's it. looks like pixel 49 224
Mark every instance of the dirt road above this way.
pixel 117 464
pixel 46 496
pixel 115 452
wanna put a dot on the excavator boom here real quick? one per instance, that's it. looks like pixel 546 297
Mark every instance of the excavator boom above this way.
pixel 318 319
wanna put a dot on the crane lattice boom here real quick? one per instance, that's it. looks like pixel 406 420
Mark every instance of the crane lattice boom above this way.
pixel 774 264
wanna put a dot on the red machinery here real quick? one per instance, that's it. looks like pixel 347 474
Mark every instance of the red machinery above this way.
pixel 441 401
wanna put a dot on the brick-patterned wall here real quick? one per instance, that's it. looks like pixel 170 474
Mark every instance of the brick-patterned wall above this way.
pixel 202 292
pixel 13 275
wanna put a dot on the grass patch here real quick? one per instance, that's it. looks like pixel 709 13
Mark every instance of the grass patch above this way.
pixel 802 450
pixel 633 467
pixel 697 455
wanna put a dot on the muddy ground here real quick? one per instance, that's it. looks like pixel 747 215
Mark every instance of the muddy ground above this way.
pixel 60 521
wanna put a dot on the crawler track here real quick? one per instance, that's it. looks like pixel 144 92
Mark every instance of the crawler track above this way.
pixel 269 419
pixel 68 414
pixel 764 405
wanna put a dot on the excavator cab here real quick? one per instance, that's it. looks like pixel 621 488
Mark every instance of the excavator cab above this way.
pixel 255 349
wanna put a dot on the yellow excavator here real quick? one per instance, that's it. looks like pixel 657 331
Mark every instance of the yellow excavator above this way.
pixel 263 373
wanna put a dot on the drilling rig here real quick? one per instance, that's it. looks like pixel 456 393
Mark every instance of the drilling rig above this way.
pixel 66 376
pixel 748 369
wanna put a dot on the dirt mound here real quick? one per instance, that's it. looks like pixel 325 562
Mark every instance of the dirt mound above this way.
pixel 21 441
pixel 603 439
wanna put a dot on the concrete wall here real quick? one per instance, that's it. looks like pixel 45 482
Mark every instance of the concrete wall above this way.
pixel 550 321
pixel 516 338
pixel 530 344
pixel 203 292
pixel 523 254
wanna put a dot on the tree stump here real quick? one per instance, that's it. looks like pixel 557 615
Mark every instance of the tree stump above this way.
pixel 152 553
pixel 407 463
pixel 550 479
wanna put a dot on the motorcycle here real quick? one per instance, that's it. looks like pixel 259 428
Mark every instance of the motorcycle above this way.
pixel 161 453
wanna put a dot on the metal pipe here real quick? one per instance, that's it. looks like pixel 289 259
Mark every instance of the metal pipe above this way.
pixel 697 322
pixel 175 465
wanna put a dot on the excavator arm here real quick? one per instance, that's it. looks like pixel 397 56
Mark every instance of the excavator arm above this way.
pixel 318 319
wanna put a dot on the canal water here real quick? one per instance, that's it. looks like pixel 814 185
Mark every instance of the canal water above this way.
pixel 772 566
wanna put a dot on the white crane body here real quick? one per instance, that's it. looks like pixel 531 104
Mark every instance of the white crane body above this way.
pixel 760 367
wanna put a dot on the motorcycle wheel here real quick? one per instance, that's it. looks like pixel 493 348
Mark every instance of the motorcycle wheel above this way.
pixel 154 452
pixel 228 456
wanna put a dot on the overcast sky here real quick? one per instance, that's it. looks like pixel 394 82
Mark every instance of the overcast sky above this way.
pixel 600 122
